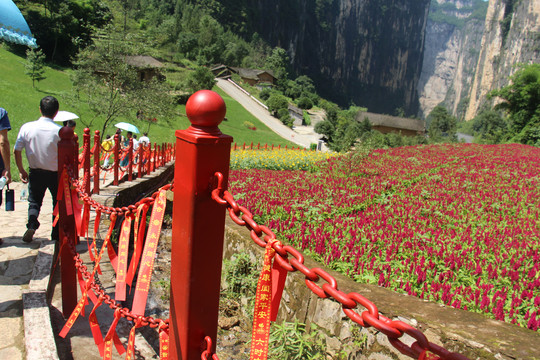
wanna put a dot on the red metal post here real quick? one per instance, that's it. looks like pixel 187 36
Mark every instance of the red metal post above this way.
pixel 198 227
pixel 130 159
pixel 67 147
pixel 116 158
pixel 140 154
pixel 86 160
pixel 155 156
pixel 97 161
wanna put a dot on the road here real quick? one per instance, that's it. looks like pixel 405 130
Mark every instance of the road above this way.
pixel 301 135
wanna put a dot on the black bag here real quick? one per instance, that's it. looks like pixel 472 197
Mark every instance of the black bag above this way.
pixel 10 199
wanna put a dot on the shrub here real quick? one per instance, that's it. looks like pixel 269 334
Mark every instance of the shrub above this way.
pixel 265 94
pixel 305 103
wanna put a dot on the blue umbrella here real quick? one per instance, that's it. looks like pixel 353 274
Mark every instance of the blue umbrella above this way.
pixel 13 27
pixel 127 127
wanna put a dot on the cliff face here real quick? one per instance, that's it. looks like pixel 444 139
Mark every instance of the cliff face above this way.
pixel 367 52
pixel 511 36
pixel 450 58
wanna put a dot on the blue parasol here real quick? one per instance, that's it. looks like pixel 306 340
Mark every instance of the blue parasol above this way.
pixel 13 27
pixel 127 127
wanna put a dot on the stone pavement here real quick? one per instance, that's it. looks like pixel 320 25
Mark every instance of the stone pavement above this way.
pixel 31 306
pixel 16 265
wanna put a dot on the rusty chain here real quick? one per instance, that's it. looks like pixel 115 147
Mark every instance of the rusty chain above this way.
pixel 394 330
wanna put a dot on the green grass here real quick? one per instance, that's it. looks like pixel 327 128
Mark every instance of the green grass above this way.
pixel 21 101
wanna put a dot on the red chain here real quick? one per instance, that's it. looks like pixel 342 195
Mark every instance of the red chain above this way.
pixel 79 264
pixel 392 329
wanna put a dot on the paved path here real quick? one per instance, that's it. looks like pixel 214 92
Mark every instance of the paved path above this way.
pixel 301 135
pixel 16 265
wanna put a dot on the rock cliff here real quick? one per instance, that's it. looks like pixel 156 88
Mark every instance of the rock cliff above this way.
pixel 367 52
pixel 511 36
pixel 450 58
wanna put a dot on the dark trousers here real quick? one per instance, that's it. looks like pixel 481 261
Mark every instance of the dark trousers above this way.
pixel 38 182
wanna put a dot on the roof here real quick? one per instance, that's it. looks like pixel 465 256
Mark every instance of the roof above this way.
pixel 251 73
pixel 392 121
pixel 143 61
pixel 296 109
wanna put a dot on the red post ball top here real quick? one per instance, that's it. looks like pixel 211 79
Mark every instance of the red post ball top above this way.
pixel 205 108
pixel 66 133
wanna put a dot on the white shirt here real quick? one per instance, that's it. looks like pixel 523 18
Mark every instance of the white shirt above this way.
pixel 145 140
pixel 135 144
pixel 40 141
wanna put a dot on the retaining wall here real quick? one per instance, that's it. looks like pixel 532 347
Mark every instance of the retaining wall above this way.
pixel 470 334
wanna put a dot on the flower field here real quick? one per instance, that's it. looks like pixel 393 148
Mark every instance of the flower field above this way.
pixel 457 224
pixel 279 159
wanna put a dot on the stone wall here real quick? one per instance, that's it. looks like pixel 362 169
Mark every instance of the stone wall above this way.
pixel 470 334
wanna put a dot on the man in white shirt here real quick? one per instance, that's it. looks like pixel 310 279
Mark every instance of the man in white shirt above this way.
pixel 39 139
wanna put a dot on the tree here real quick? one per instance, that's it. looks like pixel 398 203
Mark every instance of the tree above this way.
pixel 278 62
pixel 63 27
pixel 305 103
pixel 34 65
pixel 111 87
pixel 521 101
pixel 341 130
pixel 276 102
pixel 489 127
pixel 201 78
pixel 442 125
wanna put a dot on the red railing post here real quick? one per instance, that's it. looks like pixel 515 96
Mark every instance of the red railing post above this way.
pixel 116 153
pixel 97 161
pixel 86 160
pixel 67 147
pixel 140 164
pixel 130 159
pixel 198 227
pixel 155 157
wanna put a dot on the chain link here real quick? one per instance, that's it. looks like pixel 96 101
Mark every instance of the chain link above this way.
pixel 371 317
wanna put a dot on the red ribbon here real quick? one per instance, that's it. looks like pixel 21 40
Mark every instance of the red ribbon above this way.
pixel 112 337
pixel 123 246
pixel 164 349
pixel 140 225
pixel 94 326
pixel 263 308
pixel 131 342
pixel 147 262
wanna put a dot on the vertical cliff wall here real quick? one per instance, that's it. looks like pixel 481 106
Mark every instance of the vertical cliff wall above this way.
pixel 511 36
pixel 450 56
pixel 366 52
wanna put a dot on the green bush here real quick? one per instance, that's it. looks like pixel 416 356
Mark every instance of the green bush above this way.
pixel 305 103
pixel 265 94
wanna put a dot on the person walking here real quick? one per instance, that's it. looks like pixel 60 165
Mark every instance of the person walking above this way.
pixel 144 139
pixel 39 139
pixel 5 160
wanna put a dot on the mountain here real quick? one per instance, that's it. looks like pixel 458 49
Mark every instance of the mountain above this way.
pixel 366 52
pixel 511 36
pixel 453 38
pixel 470 50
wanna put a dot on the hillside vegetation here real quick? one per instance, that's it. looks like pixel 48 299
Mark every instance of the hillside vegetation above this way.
pixel 21 100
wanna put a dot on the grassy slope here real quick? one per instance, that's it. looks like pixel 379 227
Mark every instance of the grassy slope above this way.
pixel 21 101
